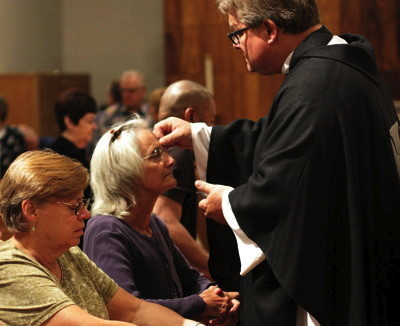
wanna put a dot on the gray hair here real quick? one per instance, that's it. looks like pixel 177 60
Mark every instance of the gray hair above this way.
pixel 134 74
pixel 181 95
pixel 116 169
pixel 294 16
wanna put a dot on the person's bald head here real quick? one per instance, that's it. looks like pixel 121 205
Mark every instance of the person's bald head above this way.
pixel 188 100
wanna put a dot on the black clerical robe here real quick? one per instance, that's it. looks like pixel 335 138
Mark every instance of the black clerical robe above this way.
pixel 318 190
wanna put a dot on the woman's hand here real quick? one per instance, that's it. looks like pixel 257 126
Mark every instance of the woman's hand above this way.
pixel 220 304
pixel 217 302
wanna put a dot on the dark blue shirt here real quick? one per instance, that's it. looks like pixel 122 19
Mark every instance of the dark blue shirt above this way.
pixel 151 268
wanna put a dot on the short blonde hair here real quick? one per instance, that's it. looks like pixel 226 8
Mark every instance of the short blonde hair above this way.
pixel 116 169
pixel 38 176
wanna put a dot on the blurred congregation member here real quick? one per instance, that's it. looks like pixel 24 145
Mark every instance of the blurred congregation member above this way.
pixel 12 142
pixel 75 113
pixel 31 137
pixel 133 101
pixel 177 207
pixel 154 104
pixel 129 170
pixel 113 95
pixel 44 278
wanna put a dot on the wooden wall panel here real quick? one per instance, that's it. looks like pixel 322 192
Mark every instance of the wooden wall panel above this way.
pixel 195 29
pixel 31 98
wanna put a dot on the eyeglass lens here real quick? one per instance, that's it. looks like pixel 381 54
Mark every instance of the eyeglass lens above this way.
pixel 157 155
pixel 84 203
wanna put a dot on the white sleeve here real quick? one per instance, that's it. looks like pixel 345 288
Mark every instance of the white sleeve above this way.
pixel 201 135
pixel 250 254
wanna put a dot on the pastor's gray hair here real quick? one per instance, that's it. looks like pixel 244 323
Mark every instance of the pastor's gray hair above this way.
pixel 294 16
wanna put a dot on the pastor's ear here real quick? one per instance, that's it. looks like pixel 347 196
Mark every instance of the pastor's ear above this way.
pixel 271 29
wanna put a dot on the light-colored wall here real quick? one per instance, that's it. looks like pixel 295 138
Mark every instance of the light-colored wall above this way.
pixel 98 37
pixel 104 38
pixel 30 35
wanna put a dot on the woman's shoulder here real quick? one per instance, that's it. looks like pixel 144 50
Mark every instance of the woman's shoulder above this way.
pixel 8 252
pixel 104 225
pixel 15 262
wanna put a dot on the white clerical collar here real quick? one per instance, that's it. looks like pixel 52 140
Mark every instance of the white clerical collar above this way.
pixel 334 40
pixel 285 67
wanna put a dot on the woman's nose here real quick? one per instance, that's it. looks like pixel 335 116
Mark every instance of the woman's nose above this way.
pixel 84 214
pixel 169 160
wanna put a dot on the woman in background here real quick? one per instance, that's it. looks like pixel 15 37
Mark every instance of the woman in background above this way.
pixel 129 170
pixel 75 115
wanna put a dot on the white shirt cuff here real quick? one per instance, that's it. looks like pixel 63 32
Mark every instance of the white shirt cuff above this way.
pixel 250 254
pixel 201 135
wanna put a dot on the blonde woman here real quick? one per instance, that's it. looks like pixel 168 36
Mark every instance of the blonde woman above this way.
pixel 44 278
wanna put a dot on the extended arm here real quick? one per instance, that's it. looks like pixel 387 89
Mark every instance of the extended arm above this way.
pixel 124 309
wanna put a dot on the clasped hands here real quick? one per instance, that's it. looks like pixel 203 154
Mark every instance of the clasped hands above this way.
pixel 221 307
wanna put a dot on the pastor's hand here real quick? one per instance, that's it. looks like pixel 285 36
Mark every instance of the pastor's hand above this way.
pixel 212 204
pixel 174 131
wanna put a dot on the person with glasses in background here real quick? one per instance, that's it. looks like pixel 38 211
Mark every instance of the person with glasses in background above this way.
pixel 311 190
pixel 45 279
pixel 133 90
pixel 129 170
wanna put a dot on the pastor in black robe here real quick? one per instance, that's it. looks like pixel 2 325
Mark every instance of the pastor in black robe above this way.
pixel 317 188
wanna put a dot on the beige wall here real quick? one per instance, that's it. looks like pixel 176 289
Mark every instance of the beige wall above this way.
pixel 105 37
pixel 30 35
pixel 99 37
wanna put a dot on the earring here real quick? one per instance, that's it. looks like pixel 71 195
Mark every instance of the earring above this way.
pixel 33 228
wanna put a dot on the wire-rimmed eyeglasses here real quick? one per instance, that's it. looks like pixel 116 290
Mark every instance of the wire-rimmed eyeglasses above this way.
pixel 78 207
pixel 234 36
pixel 157 154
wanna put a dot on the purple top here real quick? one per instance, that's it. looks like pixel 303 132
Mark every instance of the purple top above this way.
pixel 151 268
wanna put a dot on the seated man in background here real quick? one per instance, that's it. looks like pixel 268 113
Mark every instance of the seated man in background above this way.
pixel 12 142
pixel 133 101
pixel 177 207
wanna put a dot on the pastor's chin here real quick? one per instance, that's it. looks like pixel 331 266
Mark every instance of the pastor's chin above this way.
pixel 250 68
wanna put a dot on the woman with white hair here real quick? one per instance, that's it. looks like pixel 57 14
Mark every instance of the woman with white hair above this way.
pixel 129 170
